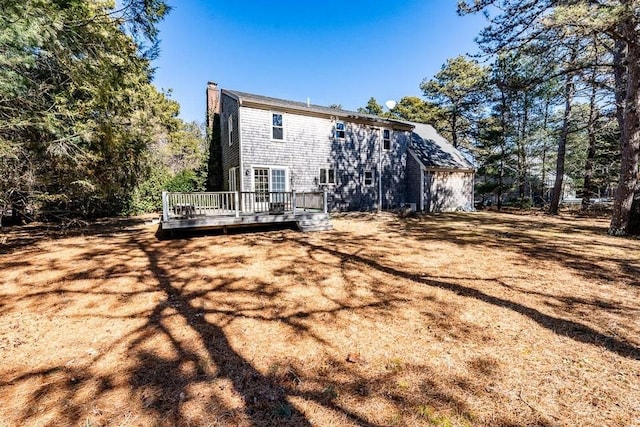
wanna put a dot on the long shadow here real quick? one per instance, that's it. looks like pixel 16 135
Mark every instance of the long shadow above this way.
pixel 513 233
pixel 259 394
pixel 569 328
pixel 265 399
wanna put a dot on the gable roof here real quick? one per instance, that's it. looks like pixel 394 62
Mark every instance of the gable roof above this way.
pixel 433 151
pixel 266 101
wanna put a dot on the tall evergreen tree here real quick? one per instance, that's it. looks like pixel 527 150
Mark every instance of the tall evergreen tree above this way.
pixel 522 22
pixel 458 90
pixel 77 108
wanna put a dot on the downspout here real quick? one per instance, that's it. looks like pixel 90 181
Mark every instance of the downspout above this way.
pixel 473 191
pixel 241 183
pixel 379 169
pixel 421 199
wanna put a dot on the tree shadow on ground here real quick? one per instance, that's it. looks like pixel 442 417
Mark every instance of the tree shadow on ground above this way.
pixel 566 327
pixel 183 359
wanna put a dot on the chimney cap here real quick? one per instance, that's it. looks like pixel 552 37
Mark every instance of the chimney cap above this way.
pixel 210 83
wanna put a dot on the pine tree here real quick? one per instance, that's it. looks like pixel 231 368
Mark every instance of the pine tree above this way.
pixel 458 91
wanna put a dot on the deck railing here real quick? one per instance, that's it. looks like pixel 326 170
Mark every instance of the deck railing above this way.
pixel 236 203
pixel 274 202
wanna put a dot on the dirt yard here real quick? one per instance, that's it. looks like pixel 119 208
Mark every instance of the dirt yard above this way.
pixel 451 320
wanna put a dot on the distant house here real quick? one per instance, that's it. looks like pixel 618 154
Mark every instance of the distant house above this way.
pixel 364 162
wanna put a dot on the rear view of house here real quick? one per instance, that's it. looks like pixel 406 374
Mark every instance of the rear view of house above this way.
pixel 362 162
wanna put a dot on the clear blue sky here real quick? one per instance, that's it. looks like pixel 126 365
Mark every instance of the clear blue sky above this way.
pixel 334 52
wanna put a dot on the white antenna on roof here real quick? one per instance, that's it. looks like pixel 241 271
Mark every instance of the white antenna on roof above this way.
pixel 391 104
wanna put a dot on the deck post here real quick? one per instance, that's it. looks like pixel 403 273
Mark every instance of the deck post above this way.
pixel 293 201
pixel 324 200
pixel 165 206
pixel 237 203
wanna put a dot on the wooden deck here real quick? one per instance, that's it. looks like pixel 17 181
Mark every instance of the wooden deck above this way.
pixel 234 209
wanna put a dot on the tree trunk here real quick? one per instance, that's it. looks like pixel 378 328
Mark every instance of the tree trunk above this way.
pixel 522 153
pixel 454 127
pixel 501 176
pixel 587 190
pixel 544 151
pixel 562 143
pixel 503 142
pixel 621 217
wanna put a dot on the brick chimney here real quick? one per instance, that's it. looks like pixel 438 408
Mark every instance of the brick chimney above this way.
pixel 214 179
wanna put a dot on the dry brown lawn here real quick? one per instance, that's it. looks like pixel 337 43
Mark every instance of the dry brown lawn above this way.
pixel 461 319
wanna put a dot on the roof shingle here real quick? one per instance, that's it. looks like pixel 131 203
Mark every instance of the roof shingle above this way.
pixel 434 151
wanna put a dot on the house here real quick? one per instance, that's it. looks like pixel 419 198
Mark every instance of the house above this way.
pixel 362 162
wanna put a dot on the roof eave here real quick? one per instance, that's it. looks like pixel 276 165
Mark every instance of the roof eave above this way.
pixel 245 102
pixel 448 169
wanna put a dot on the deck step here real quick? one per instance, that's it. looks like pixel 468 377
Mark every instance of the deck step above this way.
pixel 322 224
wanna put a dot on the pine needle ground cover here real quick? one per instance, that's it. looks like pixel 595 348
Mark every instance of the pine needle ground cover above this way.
pixel 461 319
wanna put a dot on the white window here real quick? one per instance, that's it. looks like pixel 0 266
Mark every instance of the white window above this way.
pixel 368 178
pixel 269 185
pixel 266 179
pixel 261 184
pixel 386 139
pixel 340 130
pixel 233 179
pixel 327 176
pixel 278 180
pixel 277 126
pixel 230 129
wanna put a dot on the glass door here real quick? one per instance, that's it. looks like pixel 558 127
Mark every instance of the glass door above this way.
pixel 261 188
pixel 278 188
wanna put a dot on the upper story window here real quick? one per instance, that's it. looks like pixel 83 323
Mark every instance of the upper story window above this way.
pixel 277 126
pixel 368 177
pixel 327 176
pixel 386 139
pixel 340 130
pixel 230 129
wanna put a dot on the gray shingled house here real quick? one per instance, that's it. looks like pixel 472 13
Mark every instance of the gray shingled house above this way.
pixel 364 162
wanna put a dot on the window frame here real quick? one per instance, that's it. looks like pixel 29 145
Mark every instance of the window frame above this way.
pixel 327 181
pixel 336 131
pixel 386 140
pixel 233 172
pixel 371 183
pixel 273 127
pixel 287 175
pixel 272 180
pixel 230 129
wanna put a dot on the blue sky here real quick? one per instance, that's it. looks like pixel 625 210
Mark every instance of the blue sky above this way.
pixel 330 51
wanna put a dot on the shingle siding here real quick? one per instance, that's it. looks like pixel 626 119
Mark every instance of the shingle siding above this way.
pixel 448 191
pixel 413 181
pixel 230 152
pixel 309 145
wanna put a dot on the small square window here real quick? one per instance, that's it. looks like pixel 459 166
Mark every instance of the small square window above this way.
pixel 340 130
pixel 368 178
pixel 277 126
pixel 386 139
pixel 327 176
